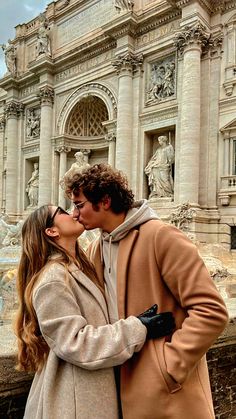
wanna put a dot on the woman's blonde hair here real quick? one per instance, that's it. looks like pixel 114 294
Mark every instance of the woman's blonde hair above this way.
pixel 37 247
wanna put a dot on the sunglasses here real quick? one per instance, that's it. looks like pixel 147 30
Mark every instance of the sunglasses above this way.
pixel 50 219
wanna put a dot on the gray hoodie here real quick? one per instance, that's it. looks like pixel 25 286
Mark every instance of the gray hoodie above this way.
pixel 137 215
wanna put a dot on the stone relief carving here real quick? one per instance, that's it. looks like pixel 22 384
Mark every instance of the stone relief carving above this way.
pixel 182 216
pixel 162 83
pixel 10 57
pixel 158 170
pixel 32 188
pixel 33 124
pixel 43 42
pixel 122 5
pixel 10 233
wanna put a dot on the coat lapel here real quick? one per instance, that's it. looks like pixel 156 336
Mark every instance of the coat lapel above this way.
pixel 91 287
pixel 125 249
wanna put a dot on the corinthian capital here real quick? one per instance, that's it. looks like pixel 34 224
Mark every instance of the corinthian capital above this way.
pixel 128 62
pixel 14 109
pixel 46 95
pixel 194 35
pixel 63 149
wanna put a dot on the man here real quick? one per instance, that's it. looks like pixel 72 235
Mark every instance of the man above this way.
pixel 145 261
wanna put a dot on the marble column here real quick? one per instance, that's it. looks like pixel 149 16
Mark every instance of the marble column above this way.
pixel 111 139
pixel 45 162
pixel 13 110
pixel 189 43
pixel 2 134
pixel 125 65
pixel 62 150
pixel 226 153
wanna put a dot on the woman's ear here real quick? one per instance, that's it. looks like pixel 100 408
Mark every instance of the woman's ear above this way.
pixel 52 232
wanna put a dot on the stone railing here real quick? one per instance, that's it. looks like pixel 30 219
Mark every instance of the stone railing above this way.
pixel 227 189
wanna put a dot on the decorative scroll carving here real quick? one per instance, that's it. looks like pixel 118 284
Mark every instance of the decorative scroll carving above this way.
pixel 14 109
pixel 196 34
pixel 46 95
pixel 33 124
pixel 182 216
pixel 124 5
pixel 2 123
pixel 110 137
pixel 128 62
pixel 162 83
pixel 63 149
pixel 213 48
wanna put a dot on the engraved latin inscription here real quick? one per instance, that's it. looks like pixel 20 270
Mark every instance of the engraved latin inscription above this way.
pixel 86 21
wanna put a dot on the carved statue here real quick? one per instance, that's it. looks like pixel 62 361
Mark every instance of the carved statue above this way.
pixel 43 42
pixel 124 5
pixel 13 233
pixel 158 170
pixel 162 81
pixel 33 187
pixel 33 125
pixel 10 56
pixel 80 164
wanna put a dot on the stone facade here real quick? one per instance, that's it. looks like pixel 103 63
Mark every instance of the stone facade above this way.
pixel 107 78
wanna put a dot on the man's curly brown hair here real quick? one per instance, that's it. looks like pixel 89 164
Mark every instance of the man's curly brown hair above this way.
pixel 98 181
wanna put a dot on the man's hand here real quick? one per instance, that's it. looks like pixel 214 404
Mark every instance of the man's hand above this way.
pixel 158 325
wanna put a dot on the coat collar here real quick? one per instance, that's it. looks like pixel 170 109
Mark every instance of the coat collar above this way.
pixel 83 280
pixel 125 249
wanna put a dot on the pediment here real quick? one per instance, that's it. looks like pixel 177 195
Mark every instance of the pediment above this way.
pixel 230 126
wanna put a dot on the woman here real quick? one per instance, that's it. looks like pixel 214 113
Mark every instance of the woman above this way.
pixel 62 324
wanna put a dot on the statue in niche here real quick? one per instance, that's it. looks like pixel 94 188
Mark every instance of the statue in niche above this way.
pixel 10 56
pixel 43 41
pixel 33 124
pixel 158 170
pixel 162 81
pixel 32 188
pixel 124 5
pixel 80 164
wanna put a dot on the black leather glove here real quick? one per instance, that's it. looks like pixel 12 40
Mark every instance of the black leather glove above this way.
pixel 158 325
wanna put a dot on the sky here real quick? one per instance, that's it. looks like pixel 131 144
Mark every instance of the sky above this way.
pixel 15 12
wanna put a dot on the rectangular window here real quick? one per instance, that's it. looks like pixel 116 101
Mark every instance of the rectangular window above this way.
pixel 233 237
pixel 234 157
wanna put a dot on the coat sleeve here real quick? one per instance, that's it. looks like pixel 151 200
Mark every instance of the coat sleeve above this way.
pixel 67 333
pixel 186 276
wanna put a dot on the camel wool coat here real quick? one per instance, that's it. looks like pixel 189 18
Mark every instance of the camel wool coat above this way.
pixel 77 380
pixel 168 378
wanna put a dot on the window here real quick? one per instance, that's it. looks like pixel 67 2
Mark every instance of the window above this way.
pixel 233 237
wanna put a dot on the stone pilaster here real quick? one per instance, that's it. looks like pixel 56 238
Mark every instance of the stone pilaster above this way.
pixel 111 139
pixel 2 133
pixel 46 94
pixel 62 150
pixel 189 43
pixel 12 111
pixel 125 66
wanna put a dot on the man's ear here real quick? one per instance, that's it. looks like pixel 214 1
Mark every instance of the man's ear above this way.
pixel 52 232
pixel 106 202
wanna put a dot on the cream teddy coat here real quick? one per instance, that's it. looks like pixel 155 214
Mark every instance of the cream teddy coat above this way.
pixel 77 381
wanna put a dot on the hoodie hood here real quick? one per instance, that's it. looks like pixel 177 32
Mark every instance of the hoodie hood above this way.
pixel 137 215
pixel 109 244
